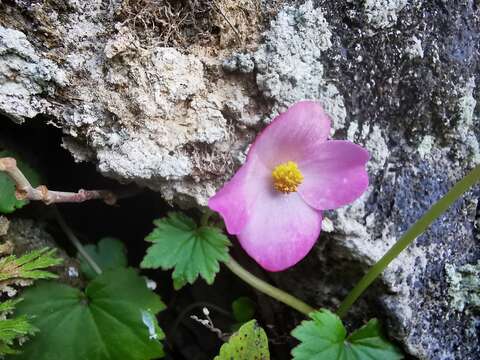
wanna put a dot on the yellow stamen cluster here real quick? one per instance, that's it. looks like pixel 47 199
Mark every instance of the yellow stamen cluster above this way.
pixel 286 177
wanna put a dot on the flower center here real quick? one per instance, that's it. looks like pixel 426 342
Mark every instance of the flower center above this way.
pixel 286 177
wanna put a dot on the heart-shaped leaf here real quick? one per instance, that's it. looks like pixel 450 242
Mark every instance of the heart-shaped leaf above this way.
pixel 113 319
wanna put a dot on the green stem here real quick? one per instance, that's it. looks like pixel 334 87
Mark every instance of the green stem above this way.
pixel 205 217
pixel 412 233
pixel 268 289
pixel 74 240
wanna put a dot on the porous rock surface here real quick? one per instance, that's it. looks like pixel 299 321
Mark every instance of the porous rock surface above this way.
pixel 399 77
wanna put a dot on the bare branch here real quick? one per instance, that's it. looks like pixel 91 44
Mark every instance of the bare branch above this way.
pixel 25 191
pixel 228 21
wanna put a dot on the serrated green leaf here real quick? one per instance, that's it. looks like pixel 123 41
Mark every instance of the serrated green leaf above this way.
pixel 243 309
pixel 29 266
pixel 250 342
pixel 12 329
pixel 8 201
pixel 190 250
pixel 109 253
pixel 8 305
pixel 106 322
pixel 179 282
pixel 325 338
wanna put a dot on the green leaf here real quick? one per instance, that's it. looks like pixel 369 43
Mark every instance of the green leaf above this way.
pixel 8 201
pixel 12 329
pixel 249 343
pixel 29 266
pixel 109 253
pixel 243 309
pixel 325 338
pixel 113 319
pixel 192 251
pixel 8 305
pixel 179 282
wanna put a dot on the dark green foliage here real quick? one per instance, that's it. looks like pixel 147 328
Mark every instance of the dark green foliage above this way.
pixel 192 251
pixel 8 201
pixel 109 253
pixel 325 338
pixel 243 309
pixel 12 328
pixel 113 319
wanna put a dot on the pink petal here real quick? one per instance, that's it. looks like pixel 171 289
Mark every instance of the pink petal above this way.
pixel 280 231
pixel 292 134
pixel 235 199
pixel 334 174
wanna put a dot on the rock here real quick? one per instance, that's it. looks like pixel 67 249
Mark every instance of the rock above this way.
pixel 152 115
pixel 383 13
pixel 399 77
pixel 4 224
pixel 409 108
pixel 464 286
pixel 25 77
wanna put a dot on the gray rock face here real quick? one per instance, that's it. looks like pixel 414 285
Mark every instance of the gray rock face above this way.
pixel 153 115
pixel 399 77
pixel 409 90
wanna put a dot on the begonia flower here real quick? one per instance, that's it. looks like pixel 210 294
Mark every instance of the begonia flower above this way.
pixel 274 202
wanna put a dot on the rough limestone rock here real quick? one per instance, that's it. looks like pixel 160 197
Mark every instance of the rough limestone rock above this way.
pixel 162 117
pixel 397 76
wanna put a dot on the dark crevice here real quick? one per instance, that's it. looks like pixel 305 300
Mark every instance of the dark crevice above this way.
pixel 130 221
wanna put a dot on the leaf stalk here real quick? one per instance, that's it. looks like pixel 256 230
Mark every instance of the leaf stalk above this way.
pixel 74 240
pixel 417 229
pixel 268 289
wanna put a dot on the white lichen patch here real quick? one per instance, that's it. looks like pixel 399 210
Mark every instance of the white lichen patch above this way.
pixel 25 77
pixel 287 63
pixel 464 129
pixel 425 146
pixel 378 149
pixel 414 48
pixel 383 13
pixel 464 286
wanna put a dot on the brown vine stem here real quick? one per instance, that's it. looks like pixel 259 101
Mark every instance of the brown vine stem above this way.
pixel 25 191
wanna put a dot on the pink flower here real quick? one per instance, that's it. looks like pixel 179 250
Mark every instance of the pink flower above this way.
pixel 274 202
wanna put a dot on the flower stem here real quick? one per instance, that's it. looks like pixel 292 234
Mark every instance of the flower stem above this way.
pixel 205 217
pixel 268 289
pixel 412 233
pixel 74 240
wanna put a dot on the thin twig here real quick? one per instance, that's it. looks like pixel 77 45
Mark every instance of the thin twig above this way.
pixel 25 191
pixel 228 21
pixel 190 307
pixel 208 323
pixel 74 240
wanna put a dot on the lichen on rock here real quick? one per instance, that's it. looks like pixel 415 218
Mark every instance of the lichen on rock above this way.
pixel 464 286
pixel 25 77
pixel 288 65
pixel 383 13
pixel 398 77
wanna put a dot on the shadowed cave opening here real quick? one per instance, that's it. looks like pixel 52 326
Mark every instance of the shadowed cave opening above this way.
pixel 131 220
